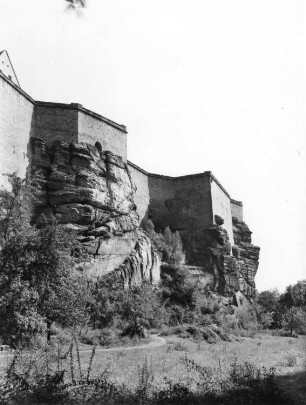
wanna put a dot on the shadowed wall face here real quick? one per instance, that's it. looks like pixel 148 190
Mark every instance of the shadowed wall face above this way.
pixel 16 128
pixel 182 202
pixel 185 205
pixel 56 123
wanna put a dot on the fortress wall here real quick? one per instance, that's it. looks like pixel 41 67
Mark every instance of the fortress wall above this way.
pixel 181 202
pixel 93 128
pixel 55 121
pixel 16 127
pixel 237 209
pixel 142 196
pixel 161 189
pixel 194 194
pixel 221 204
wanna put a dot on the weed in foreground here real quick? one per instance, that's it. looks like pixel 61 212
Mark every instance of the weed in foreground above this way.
pixel 241 383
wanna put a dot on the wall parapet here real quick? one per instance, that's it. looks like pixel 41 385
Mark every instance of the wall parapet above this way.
pixel 79 107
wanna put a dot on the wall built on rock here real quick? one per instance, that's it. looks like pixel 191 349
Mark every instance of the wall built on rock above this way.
pixel 183 202
pixel 79 159
pixel 16 128
pixel 221 204
pixel 54 121
pixel 237 209
pixel 94 128
pixel 142 194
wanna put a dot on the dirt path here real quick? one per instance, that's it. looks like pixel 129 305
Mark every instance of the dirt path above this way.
pixel 155 341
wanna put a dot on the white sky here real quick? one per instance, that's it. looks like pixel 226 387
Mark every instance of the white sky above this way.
pixel 201 85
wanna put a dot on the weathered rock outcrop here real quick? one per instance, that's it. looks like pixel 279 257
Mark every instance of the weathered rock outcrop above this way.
pixel 92 193
pixel 225 268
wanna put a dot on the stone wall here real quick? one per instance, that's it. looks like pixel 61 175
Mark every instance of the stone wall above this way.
pixel 221 204
pixel 181 202
pixel 142 194
pixel 74 123
pixel 54 121
pixel 237 209
pixel 16 127
pixel 94 128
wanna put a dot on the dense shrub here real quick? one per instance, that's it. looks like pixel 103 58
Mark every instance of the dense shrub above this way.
pixel 168 244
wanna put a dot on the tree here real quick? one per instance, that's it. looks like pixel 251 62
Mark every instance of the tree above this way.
pixel 141 308
pixel 179 288
pixel 268 308
pixel 10 207
pixel 104 297
pixel 38 285
pixel 294 319
pixel 168 244
pixel 295 295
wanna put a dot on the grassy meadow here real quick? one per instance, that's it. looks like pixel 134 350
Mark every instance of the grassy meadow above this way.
pixel 154 364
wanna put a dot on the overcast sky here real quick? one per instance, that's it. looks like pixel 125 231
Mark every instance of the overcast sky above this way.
pixel 201 85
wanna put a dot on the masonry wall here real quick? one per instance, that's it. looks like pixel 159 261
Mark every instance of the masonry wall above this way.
pixel 93 128
pixel 237 209
pixel 54 121
pixel 221 204
pixel 142 195
pixel 16 127
pixel 181 202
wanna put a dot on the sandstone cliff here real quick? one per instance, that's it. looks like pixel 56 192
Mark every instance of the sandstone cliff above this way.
pixel 225 268
pixel 92 193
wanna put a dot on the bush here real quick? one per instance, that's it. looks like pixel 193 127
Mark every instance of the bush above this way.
pixel 246 318
pixel 290 359
pixel 168 244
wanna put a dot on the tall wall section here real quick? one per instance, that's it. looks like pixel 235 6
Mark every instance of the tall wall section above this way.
pixel 74 123
pixel 17 125
pixel 221 205
pixel 237 209
pixel 142 194
pixel 94 128
pixel 21 118
pixel 55 121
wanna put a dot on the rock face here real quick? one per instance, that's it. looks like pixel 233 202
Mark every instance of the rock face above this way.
pixel 227 269
pixel 92 193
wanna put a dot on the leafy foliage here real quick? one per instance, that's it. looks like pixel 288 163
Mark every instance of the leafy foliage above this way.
pixel 287 310
pixel 37 282
pixel 168 244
